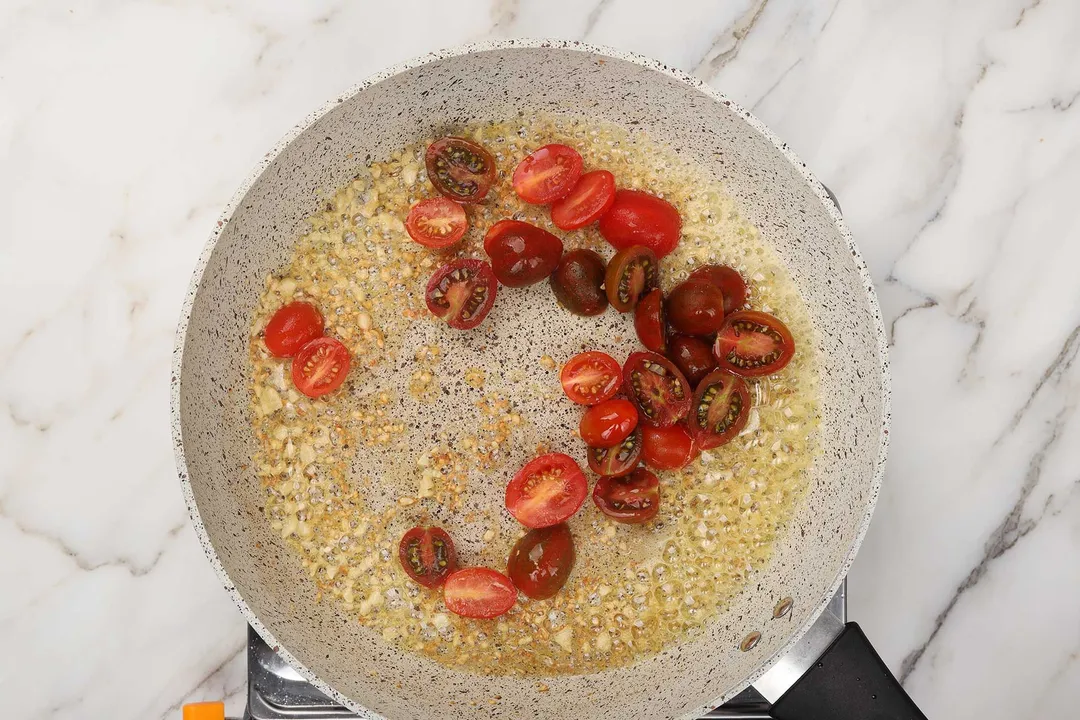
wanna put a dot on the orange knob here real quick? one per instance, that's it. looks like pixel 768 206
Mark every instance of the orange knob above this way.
pixel 204 711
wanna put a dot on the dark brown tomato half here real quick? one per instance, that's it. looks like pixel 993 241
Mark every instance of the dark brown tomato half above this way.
pixel 696 307
pixel 521 254
pixel 460 169
pixel 427 554
pixel 720 409
pixel 630 275
pixel 649 321
pixel 729 281
pixel 692 355
pixel 618 460
pixel 632 499
pixel 462 293
pixel 752 344
pixel 541 562
pixel 578 282
pixel 657 387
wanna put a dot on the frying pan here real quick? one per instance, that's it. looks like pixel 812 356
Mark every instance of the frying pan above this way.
pixel 771 188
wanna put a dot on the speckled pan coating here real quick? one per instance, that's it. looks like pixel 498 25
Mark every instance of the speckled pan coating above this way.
pixel 773 189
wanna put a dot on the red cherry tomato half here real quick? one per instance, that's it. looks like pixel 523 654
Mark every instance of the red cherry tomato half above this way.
pixel 720 409
pixel 589 378
pixel 632 499
pixel 461 293
pixel 669 448
pixel 752 343
pixel 729 281
pixel 548 174
pixel 586 203
pixel 649 321
pixel 541 562
pixel 618 460
pixel 693 356
pixel 437 223
pixel 427 554
pixel 479 592
pixel 609 423
pixel 696 307
pixel 292 327
pixel 657 387
pixel 548 490
pixel 320 367
pixel 630 275
pixel 521 254
pixel 460 169
pixel 638 218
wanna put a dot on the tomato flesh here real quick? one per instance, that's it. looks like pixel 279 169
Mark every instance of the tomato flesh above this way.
pixel 609 423
pixel 720 409
pixel 541 562
pixel 427 555
pixel 631 274
pixel 437 223
pixel 657 387
pixel 729 281
pixel 548 174
pixel 751 344
pixel 617 460
pixel 632 499
pixel 460 169
pixel 578 282
pixel 479 592
pixel 461 293
pixel 638 218
pixel 320 367
pixel 521 254
pixel 649 321
pixel 693 356
pixel 586 203
pixel 696 307
pixel 548 490
pixel 292 327
pixel 669 448
pixel 591 377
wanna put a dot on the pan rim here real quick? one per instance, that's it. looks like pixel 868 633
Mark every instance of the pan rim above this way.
pixel 225 216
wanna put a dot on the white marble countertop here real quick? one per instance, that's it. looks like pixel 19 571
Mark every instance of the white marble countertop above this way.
pixel 949 130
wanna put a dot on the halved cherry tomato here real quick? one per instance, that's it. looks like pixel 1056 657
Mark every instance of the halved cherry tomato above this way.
pixel 586 203
pixel 632 499
pixel 729 281
pixel 649 321
pixel 693 356
pixel 638 218
pixel 591 377
pixel 320 367
pixel 460 169
pixel 437 223
pixel 578 282
pixel 546 491
pixel 657 387
pixel 630 275
pixel 609 423
pixel 720 409
pixel 752 343
pixel 521 254
pixel 427 554
pixel 292 327
pixel 548 174
pixel 667 448
pixel 461 293
pixel 479 592
pixel 696 307
pixel 541 562
pixel 618 460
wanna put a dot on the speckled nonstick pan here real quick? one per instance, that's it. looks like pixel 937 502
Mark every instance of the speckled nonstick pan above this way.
pixel 773 190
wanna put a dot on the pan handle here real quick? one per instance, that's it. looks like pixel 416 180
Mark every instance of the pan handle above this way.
pixel 848 682
pixel 204 711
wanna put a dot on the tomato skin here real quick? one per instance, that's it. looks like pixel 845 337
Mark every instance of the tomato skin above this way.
pixel 696 307
pixel 618 460
pixel 669 448
pixel 693 356
pixel 590 378
pixel 632 499
pixel 462 293
pixel 548 174
pixel 521 254
pixel 479 592
pixel 729 281
pixel 649 322
pixel 752 344
pixel 657 387
pixel 541 562
pixel 320 367
pixel 638 218
pixel 587 202
pixel 631 274
pixel 460 169
pixel 609 423
pixel 437 223
pixel 720 409
pixel 547 491
pixel 292 327
pixel 578 282
pixel 427 555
